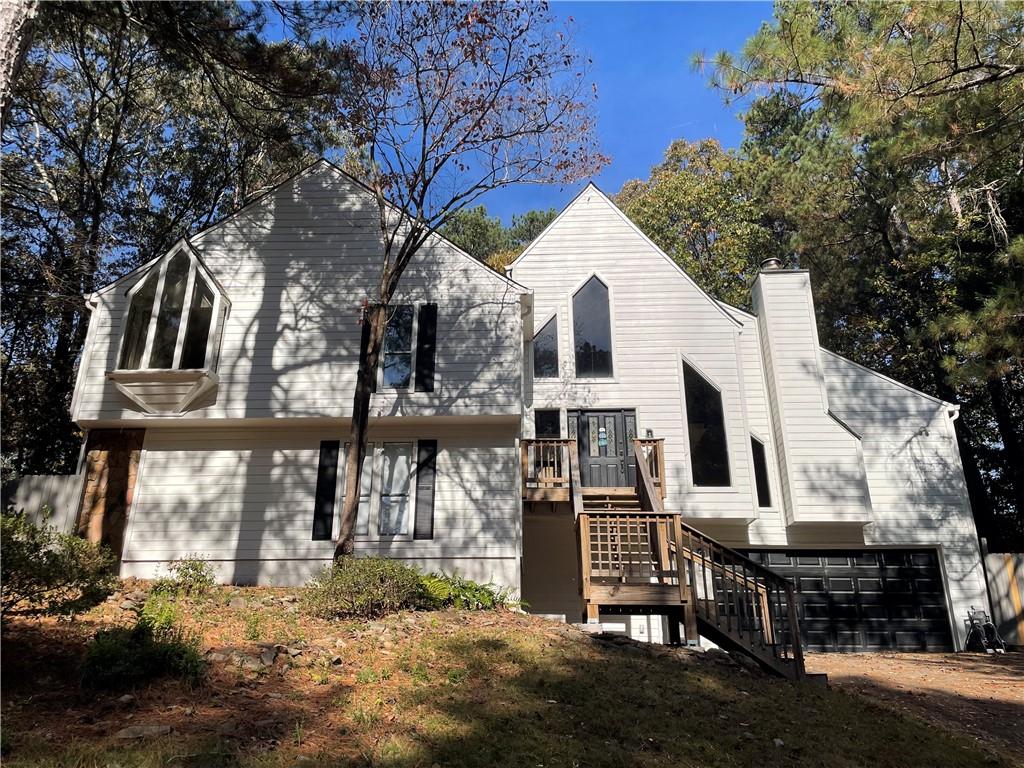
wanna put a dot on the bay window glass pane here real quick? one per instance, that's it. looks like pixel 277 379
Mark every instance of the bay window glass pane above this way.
pixel 168 318
pixel 706 428
pixel 395 471
pixel 197 331
pixel 592 330
pixel 136 328
pixel 545 351
pixel 398 347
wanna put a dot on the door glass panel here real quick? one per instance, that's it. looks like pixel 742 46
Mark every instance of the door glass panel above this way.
pixel 396 465
pixel 137 326
pixel 609 425
pixel 572 420
pixel 168 319
pixel 630 434
pixel 595 449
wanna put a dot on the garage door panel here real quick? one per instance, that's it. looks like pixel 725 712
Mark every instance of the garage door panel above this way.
pixel 861 600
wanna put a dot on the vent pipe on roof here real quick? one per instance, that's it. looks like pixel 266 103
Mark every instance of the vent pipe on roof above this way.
pixel 769 264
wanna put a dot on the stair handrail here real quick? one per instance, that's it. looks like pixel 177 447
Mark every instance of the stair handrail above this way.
pixel 575 482
pixel 646 490
pixel 790 650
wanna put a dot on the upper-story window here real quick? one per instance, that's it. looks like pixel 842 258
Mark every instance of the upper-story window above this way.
pixel 705 423
pixel 545 351
pixel 592 330
pixel 173 317
pixel 398 347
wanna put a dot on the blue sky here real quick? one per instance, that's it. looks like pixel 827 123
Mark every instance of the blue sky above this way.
pixel 648 94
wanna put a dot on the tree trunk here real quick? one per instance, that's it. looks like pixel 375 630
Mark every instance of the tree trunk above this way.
pixel 376 316
pixel 16 32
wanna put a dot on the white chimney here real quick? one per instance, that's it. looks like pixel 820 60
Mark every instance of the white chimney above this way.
pixel 820 458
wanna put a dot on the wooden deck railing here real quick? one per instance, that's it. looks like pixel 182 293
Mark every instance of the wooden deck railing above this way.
pixel 545 468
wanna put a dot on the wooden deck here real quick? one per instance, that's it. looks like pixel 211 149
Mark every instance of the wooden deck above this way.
pixel 637 557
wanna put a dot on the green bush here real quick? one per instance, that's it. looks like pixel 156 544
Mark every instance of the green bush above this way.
pixel 157 646
pixel 190 576
pixel 452 591
pixel 44 571
pixel 365 587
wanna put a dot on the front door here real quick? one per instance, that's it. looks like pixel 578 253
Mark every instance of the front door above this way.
pixel 605 440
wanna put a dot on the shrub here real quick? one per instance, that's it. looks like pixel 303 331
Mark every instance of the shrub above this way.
pixel 190 576
pixel 157 646
pixel 452 591
pixel 44 571
pixel 367 588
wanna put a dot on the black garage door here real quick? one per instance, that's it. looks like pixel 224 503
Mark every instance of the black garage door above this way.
pixel 866 600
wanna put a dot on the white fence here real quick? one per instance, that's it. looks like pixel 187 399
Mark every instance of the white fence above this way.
pixel 61 494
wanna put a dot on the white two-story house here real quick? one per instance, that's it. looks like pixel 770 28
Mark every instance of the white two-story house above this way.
pixel 590 429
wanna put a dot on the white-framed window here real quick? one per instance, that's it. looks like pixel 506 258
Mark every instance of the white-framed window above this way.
pixel 397 350
pixel 175 314
pixel 385 490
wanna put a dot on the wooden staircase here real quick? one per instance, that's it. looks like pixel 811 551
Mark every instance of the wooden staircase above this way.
pixel 637 557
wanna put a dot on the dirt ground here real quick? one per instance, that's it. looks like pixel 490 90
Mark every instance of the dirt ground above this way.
pixel 976 694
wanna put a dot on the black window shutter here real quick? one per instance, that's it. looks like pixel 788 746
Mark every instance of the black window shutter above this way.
pixel 364 344
pixel 426 468
pixel 326 486
pixel 426 346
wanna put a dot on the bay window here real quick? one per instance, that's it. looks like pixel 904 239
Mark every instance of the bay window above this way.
pixel 174 317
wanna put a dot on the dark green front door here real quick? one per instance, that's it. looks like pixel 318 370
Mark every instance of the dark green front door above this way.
pixel 605 440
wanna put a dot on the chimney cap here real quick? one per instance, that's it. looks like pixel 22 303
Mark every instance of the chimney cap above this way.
pixel 771 264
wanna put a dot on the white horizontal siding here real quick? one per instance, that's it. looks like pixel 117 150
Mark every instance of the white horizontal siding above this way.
pixel 658 317
pixel 296 267
pixel 244 498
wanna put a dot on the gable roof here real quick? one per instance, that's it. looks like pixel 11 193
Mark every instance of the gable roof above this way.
pixel 318 165
pixel 592 187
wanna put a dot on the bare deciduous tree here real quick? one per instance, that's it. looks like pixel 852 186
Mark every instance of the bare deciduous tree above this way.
pixel 454 100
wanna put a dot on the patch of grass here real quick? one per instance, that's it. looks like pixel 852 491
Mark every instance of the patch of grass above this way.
pixel 484 690
pixel 253 626
pixel 192 576
pixel 366 676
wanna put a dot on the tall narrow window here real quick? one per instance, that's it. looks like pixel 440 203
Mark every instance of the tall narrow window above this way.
pixel 705 423
pixel 592 330
pixel 395 471
pixel 545 351
pixel 172 314
pixel 137 327
pixel 764 492
pixel 398 347
pixel 365 489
